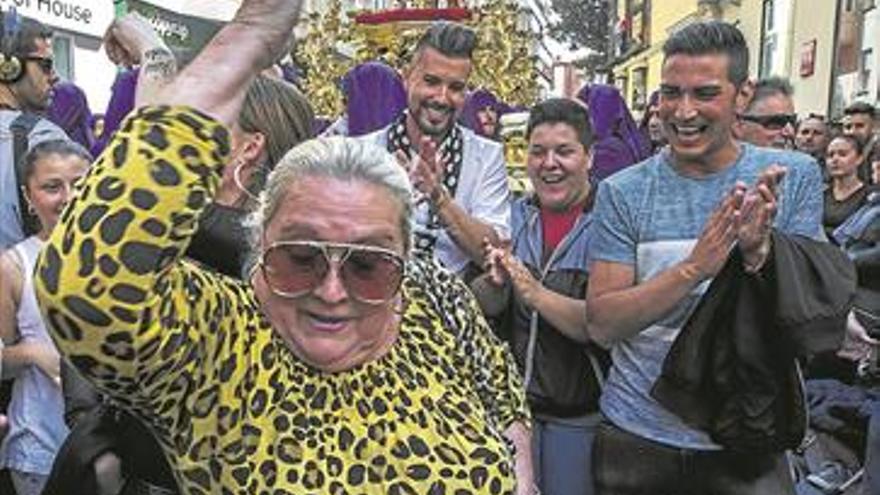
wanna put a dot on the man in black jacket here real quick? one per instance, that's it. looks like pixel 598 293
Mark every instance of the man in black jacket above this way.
pixel 664 229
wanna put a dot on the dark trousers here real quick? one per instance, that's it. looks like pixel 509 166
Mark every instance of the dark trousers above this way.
pixel 872 453
pixel 626 464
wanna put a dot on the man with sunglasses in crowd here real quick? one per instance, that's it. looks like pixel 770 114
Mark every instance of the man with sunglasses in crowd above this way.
pixel 769 119
pixel 26 79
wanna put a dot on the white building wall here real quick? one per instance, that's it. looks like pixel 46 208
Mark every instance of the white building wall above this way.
pixel 92 71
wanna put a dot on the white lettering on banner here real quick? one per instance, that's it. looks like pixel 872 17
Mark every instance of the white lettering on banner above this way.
pixel 168 28
pixel 80 16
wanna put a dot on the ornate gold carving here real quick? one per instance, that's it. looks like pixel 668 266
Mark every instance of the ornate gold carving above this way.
pixel 503 62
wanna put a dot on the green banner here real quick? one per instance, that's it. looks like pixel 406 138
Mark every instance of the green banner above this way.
pixel 184 34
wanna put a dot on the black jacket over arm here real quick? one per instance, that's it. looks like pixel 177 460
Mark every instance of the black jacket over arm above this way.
pixel 732 371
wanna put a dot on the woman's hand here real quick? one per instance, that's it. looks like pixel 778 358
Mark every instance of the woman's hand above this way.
pixel 502 266
pixel 217 80
pixel 130 37
pixel 492 263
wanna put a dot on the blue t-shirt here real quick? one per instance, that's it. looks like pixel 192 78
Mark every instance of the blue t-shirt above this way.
pixel 649 217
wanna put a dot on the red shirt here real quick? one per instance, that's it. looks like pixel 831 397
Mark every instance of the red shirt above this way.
pixel 556 224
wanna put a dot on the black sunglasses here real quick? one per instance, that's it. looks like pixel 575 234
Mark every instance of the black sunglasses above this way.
pixel 370 274
pixel 772 122
pixel 47 64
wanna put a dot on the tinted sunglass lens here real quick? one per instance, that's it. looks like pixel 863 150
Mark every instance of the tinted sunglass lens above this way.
pixel 371 276
pixel 294 269
pixel 777 122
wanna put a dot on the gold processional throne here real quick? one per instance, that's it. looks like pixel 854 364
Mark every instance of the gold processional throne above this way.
pixel 504 62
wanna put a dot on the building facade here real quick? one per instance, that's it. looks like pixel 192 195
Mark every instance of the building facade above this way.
pixel 828 49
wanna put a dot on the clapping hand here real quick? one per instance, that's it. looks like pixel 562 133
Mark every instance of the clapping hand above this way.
pixel 718 237
pixel 755 218
pixel 502 265
pixel 426 170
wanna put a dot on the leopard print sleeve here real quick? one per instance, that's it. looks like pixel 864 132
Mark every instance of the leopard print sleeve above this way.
pixel 110 281
pixel 489 360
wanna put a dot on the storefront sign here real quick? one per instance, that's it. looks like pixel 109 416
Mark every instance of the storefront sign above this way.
pixel 91 17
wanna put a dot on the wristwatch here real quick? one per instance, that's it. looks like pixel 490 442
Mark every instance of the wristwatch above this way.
pixel 440 196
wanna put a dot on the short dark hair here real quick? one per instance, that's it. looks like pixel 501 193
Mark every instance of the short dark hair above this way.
pixel 815 116
pixel 562 111
pixel 452 39
pixel 712 37
pixel 771 86
pixel 61 147
pixel 861 107
pixel 24 40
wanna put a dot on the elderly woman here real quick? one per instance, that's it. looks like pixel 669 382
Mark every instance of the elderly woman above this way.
pixel 344 367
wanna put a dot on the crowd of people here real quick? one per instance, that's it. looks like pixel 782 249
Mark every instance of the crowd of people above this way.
pixel 217 291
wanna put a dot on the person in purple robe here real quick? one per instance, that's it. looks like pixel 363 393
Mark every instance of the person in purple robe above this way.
pixel 70 110
pixel 374 97
pixel 481 113
pixel 650 125
pixel 619 143
pixel 120 104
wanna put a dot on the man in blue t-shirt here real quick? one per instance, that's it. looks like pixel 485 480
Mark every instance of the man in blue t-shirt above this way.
pixel 663 230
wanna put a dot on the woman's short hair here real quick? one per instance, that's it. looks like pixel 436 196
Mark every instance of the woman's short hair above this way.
pixel 562 111
pixel 341 158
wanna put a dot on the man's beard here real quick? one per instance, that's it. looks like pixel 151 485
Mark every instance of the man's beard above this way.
pixel 37 105
pixel 429 129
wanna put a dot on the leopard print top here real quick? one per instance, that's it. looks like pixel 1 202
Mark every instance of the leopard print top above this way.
pixel 189 353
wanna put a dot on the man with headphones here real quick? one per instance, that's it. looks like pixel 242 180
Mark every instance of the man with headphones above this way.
pixel 26 79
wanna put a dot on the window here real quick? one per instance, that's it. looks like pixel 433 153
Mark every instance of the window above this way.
pixel 768 16
pixel 640 89
pixel 621 84
pixel 867 63
pixel 768 52
pixel 774 38
pixel 62 50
